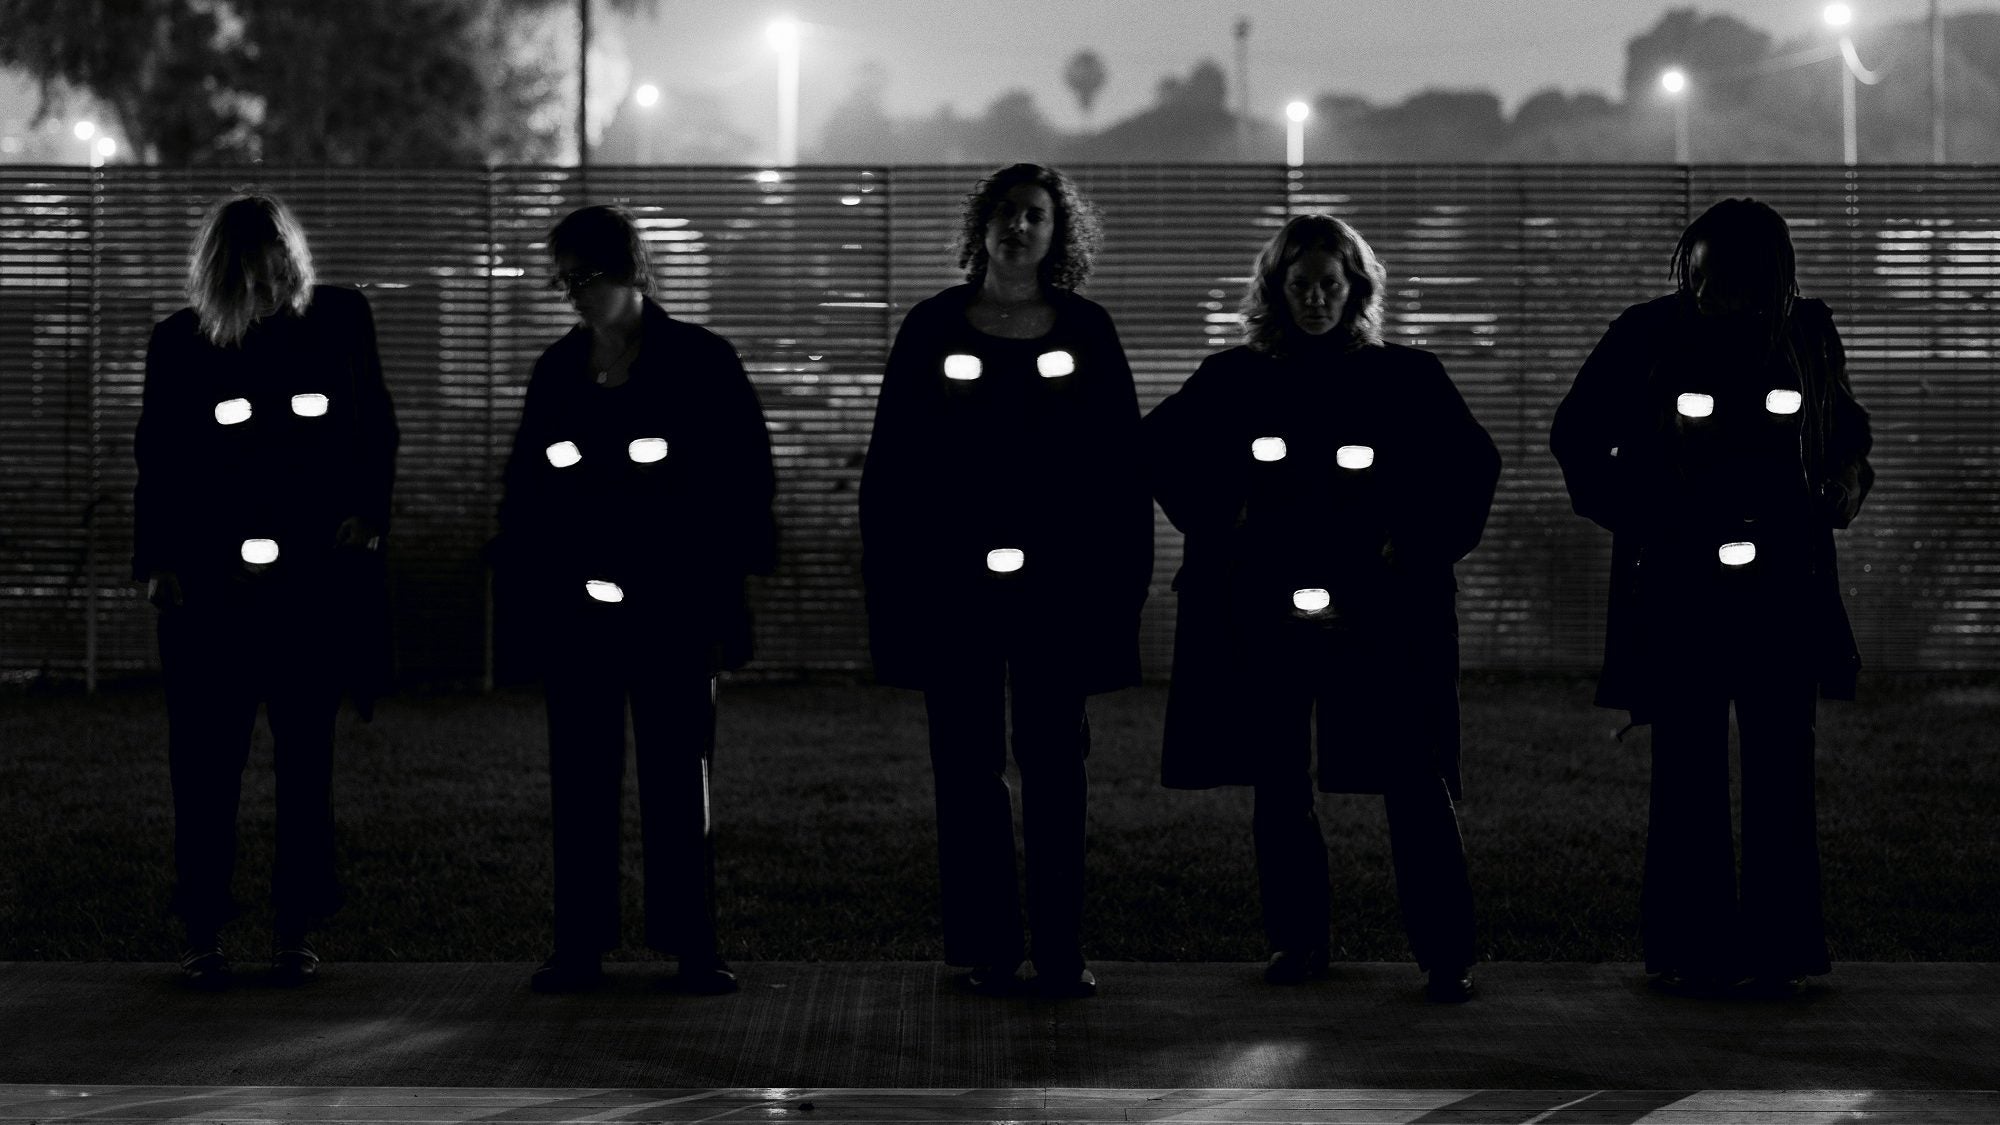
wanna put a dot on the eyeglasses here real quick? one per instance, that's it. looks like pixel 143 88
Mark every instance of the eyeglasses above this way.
pixel 573 282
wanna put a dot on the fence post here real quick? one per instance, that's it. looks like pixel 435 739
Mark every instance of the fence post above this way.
pixel 92 461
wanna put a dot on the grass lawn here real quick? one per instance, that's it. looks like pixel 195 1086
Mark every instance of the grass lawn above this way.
pixel 825 830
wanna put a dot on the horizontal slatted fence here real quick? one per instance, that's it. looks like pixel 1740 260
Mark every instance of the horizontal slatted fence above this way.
pixel 1509 273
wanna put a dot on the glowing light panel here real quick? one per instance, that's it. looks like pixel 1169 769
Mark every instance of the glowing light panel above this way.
pixel 232 410
pixel 1005 560
pixel 1055 365
pixel 962 367
pixel 1311 600
pixel 1783 402
pixel 1354 456
pixel 646 450
pixel 600 590
pixel 1268 449
pixel 563 454
pixel 309 405
pixel 260 552
pixel 1736 554
pixel 1693 405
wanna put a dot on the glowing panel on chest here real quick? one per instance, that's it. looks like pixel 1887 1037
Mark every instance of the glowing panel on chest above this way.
pixel 646 450
pixel 1736 554
pixel 1268 449
pixel 1311 600
pixel 260 552
pixel 961 367
pixel 1692 405
pixel 231 411
pixel 603 591
pixel 1055 365
pixel 563 454
pixel 1006 560
pixel 1783 402
pixel 312 405
pixel 1354 456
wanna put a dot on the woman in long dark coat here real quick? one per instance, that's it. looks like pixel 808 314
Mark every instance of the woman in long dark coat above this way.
pixel 1713 433
pixel 1007 543
pixel 638 499
pixel 1326 483
pixel 266 449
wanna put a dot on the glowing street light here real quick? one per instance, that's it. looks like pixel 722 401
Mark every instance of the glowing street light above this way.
pixel 1295 133
pixel 103 150
pixel 1674 81
pixel 85 130
pixel 646 97
pixel 1838 17
pixel 784 36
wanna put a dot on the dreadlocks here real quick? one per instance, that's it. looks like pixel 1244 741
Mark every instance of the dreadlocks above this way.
pixel 1748 254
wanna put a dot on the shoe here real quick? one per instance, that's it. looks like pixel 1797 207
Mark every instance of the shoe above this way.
pixel 203 966
pixel 706 976
pixel 1449 986
pixel 1081 984
pixel 992 980
pixel 1292 967
pixel 293 961
pixel 1679 982
pixel 563 973
pixel 1770 987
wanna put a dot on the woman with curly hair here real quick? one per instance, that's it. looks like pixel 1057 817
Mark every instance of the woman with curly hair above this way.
pixel 1007 546
pixel 1327 482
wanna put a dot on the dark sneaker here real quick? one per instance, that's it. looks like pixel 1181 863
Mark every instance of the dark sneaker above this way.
pixel 1288 966
pixel 1449 986
pixel 293 961
pixel 706 976
pixel 561 973
pixel 992 980
pixel 203 966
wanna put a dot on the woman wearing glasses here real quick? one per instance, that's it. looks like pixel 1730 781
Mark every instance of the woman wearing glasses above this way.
pixel 637 499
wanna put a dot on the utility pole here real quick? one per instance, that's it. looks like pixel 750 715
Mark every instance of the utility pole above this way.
pixel 1242 88
pixel 1937 84
pixel 583 91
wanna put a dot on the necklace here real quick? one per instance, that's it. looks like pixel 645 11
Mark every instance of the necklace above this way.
pixel 624 356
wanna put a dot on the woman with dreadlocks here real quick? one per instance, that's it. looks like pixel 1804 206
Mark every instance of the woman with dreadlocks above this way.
pixel 1714 434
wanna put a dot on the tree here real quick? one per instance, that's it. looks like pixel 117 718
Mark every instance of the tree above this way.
pixel 1720 52
pixel 1085 75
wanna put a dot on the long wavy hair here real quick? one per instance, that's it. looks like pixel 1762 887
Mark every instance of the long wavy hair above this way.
pixel 1079 231
pixel 249 260
pixel 1267 319
pixel 1758 243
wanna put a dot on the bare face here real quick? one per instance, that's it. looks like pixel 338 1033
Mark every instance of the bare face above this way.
pixel 1316 292
pixel 597 299
pixel 1719 285
pixel 1022 229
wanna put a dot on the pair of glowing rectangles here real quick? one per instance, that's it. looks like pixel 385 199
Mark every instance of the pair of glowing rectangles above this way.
pixel 962 367
pixel 1347 456
pixel 231 411
pixel 642 451
pixel 1696 405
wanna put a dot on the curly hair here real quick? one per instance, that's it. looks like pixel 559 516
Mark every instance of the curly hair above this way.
pixel 1078 229
pixel 1267 319
pixel 605 238
pixel 1758 242
pixel 249 256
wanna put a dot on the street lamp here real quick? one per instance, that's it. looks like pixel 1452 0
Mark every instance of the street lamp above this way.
pixel 784 35
pixel 646 97
pixel 1839 16
pixel 1675 82
pixel 102 150
pixel 1295 133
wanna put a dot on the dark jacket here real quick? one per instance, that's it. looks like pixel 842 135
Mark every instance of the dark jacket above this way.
pixel 676 526
pixel 1038 453
pixel 1630 467
pixel 1382 539
pixel 316 446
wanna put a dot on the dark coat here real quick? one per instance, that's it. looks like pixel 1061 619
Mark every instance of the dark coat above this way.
pixel 1638 471
pixel 678 534
pixel 1046 463
pixel 283 473
pixel 1383 540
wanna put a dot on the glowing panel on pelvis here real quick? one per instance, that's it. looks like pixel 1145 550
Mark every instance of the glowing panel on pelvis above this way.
pixel 311 405
pixel 646 450
pixel 1006 560
pixel 1055 365
pixel 1268 449
pixel 563 454
pixel 260 552
pixel 603 591
pixel 961 367
pixel 230 411
pixel 1692 405
pixel 1354 456
pixel 1311 600
pixel 1783 402
pixel 1736 554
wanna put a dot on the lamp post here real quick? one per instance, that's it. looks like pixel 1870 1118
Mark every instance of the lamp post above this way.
pixel 646 97
pixel 1675 82
pixel 1295 133
pixel 1839 16
pixel 784 36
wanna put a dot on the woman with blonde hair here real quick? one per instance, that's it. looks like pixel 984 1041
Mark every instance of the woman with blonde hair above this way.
pixel 266 449
pixel 1327 481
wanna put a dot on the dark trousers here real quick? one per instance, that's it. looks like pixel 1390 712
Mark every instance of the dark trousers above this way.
pixel 673 730
pixel 220 661
pixel 980 902
pixel 1692 919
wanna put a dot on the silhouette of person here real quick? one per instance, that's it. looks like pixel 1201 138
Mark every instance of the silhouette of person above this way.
pixel 1007 547
pixel 637 500
pixel 1326 482
pixel 1713 433
pixel 266 449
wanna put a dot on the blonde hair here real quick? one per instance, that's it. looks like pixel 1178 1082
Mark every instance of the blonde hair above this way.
pixel 249 259
pixel 1267 320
